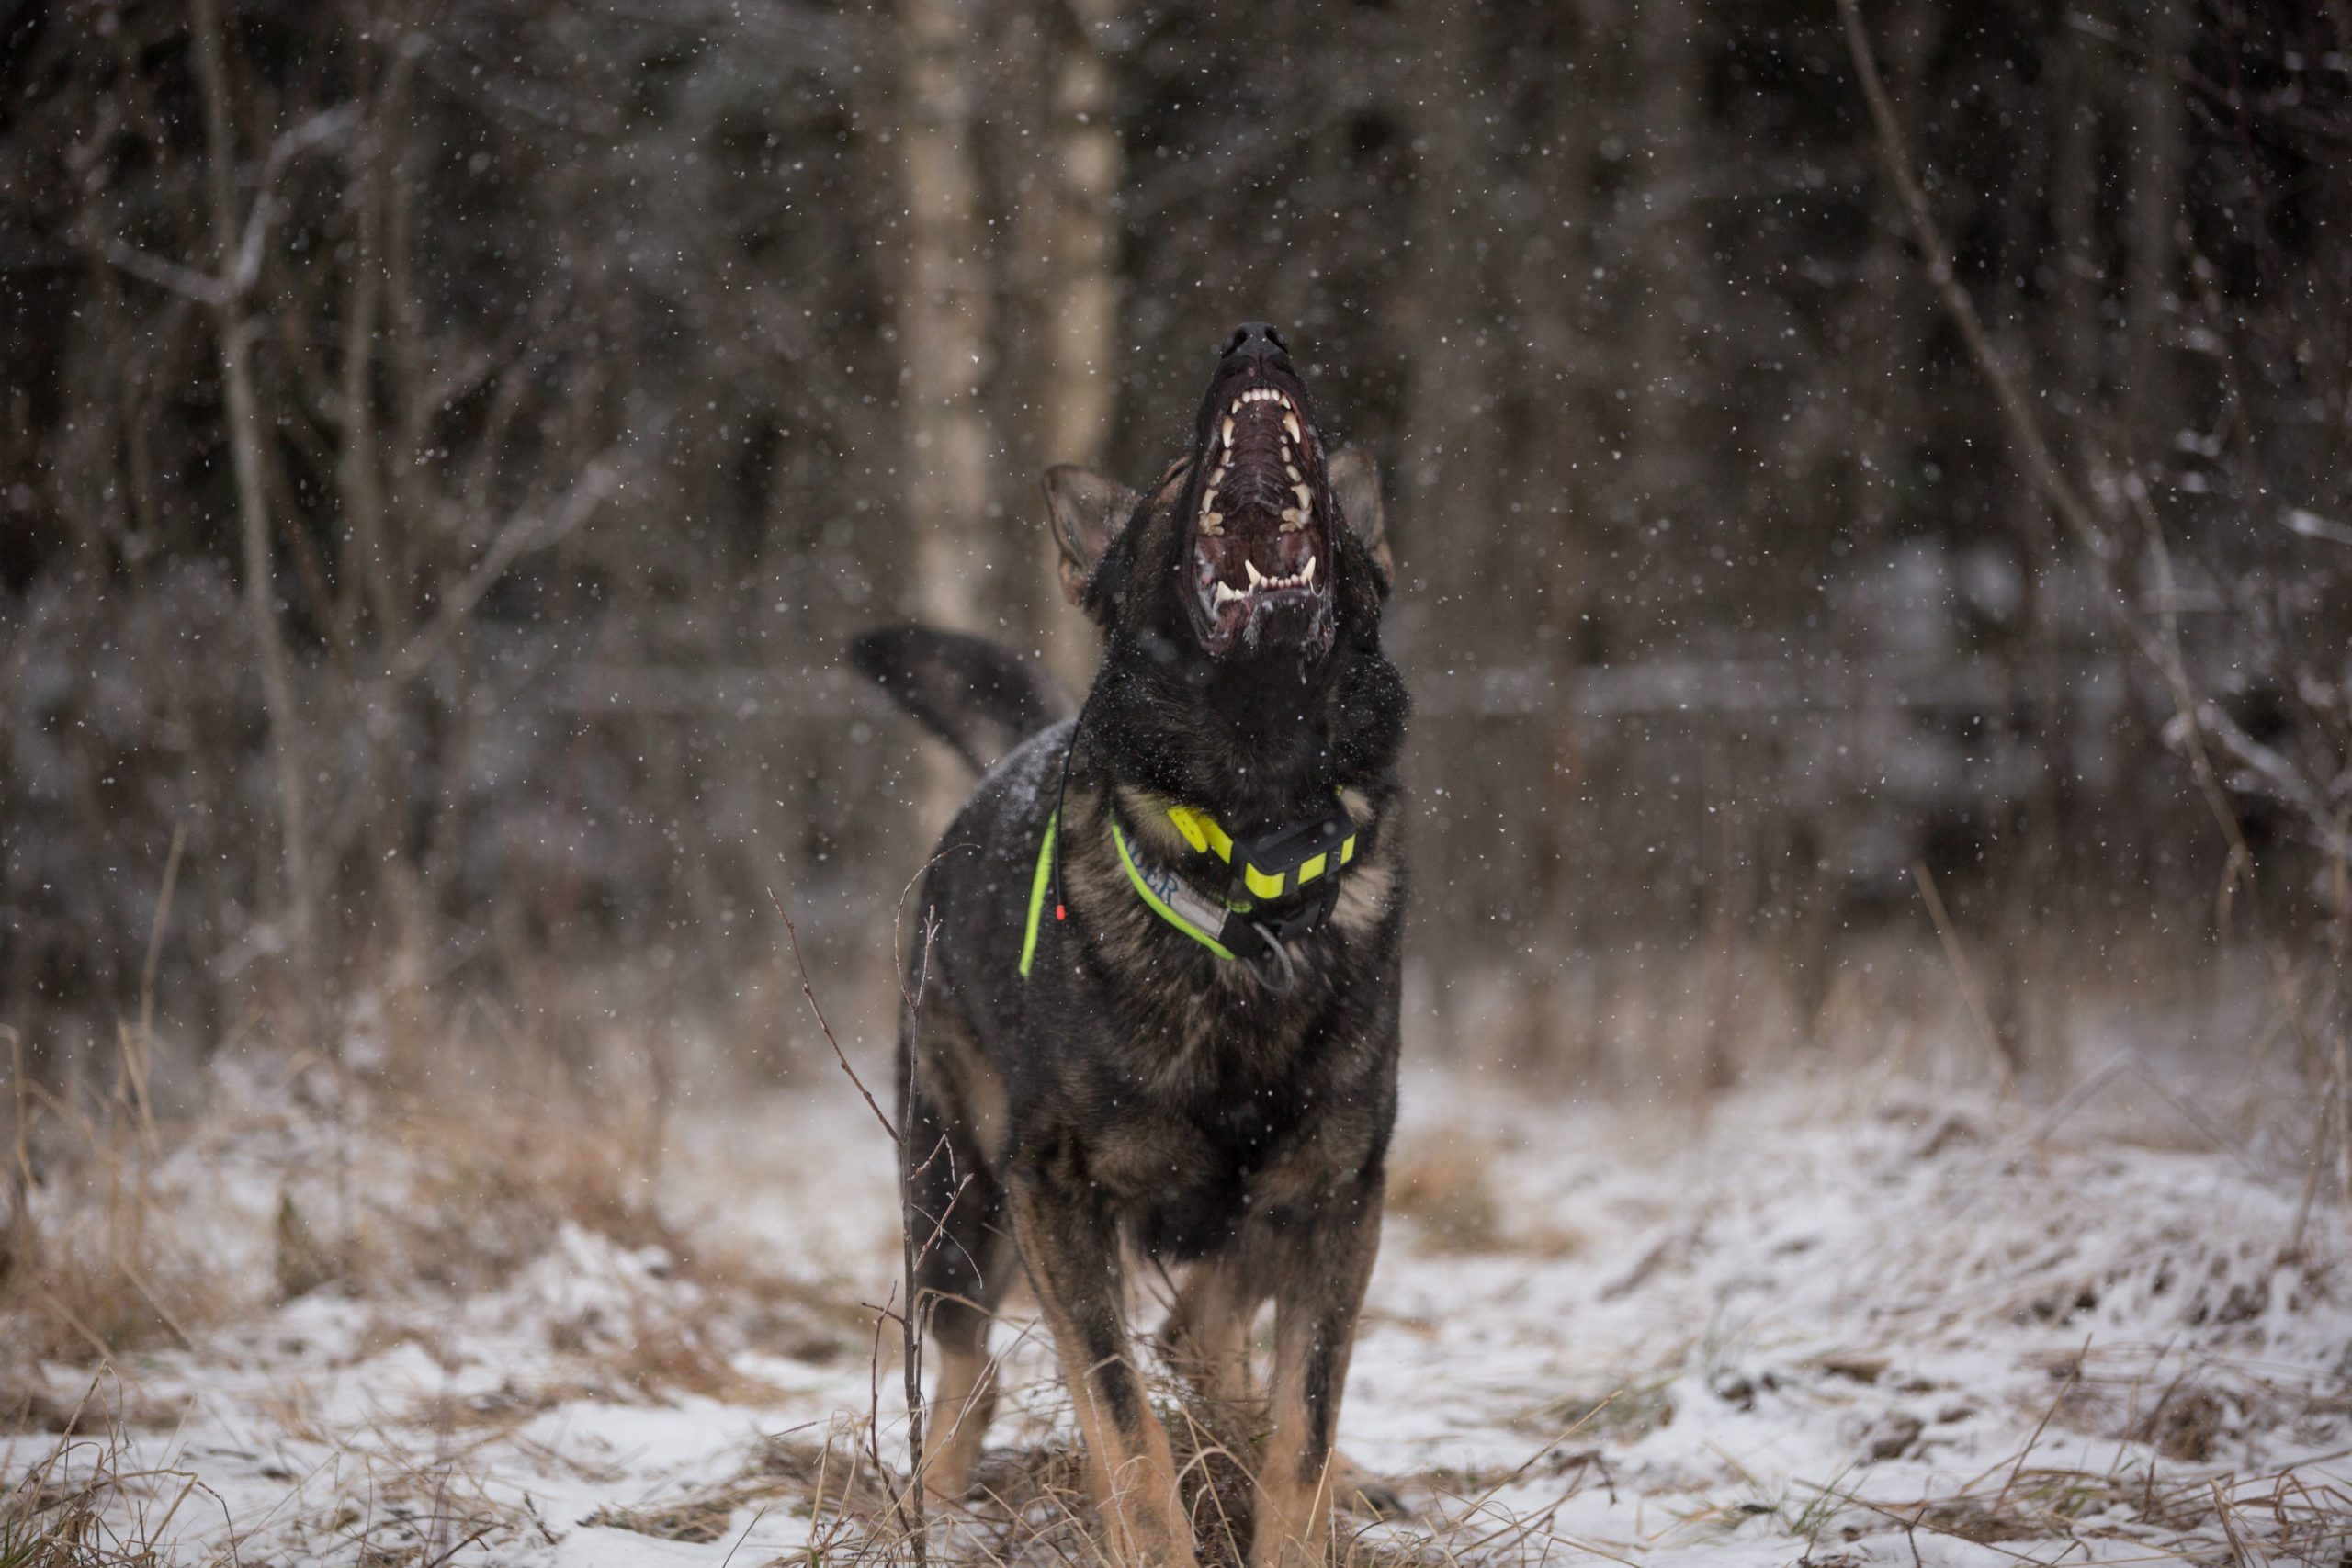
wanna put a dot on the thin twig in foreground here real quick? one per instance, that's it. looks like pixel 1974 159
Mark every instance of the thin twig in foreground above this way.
pixel 2017 1469
pixel 809 992
pixel 910 1256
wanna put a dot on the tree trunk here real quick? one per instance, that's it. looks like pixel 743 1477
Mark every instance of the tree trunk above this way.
pixel 245 451
pixel 1082 326
pixel 1448 466
pixel 944 319
pixel 368 557
pixel 944 312
pixel 1669 255
pixel 2159 151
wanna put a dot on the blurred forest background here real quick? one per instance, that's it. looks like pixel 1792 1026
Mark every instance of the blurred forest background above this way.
pixel 444 444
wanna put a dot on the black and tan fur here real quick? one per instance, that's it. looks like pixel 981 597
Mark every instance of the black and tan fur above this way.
pixel 1137 1098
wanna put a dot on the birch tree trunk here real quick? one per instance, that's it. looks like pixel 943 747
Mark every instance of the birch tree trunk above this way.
pixel 944 320
pixel 943 317
pixel 1081 315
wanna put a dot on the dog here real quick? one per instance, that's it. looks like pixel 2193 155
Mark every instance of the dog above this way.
pixel 1162 1010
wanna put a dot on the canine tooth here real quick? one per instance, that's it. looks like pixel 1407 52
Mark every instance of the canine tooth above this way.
pixel 1226 433
pixel 1306 572
pixel 1306 497
pixel 1257 577
pixel 1226 594
pixel 1289 422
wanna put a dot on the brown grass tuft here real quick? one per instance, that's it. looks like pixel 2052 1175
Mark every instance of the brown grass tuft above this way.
pixel 87 1269
pixel 1444 1188
pixel 77 1507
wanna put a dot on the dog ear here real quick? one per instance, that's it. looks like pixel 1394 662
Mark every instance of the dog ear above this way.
pixel 1355 486
pixel 1085 510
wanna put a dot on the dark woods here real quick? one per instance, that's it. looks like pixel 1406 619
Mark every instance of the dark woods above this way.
pixel 446 445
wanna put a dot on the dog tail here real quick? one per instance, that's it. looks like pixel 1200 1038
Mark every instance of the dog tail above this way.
pixel 979 696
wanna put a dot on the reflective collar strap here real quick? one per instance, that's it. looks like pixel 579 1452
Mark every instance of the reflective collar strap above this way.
pixel 1171 898
pixel 1037 893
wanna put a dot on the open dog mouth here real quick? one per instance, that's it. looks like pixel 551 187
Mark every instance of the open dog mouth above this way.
pixel 1261 529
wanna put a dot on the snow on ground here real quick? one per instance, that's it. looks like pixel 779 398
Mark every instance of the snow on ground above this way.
pixel 1826 1322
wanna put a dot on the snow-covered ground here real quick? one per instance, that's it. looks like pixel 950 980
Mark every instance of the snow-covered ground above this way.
pixel 1826 1322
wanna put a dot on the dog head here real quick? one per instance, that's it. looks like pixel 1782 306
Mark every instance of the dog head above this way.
pixel 1254 546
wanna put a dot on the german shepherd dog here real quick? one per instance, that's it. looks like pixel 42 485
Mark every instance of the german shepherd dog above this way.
pixel 1163 1012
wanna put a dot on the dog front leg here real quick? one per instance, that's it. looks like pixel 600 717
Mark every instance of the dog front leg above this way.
pixel 1317 1296
pixel 1070 1244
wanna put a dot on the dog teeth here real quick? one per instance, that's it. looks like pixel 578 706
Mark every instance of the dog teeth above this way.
pixel 1212 523
pixel 1290 423
pixel 1292 519
pixel 1291 469
pixel 1225 434
pixel 1223 594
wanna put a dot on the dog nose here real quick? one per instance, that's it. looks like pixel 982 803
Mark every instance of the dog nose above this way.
pixel 1255 340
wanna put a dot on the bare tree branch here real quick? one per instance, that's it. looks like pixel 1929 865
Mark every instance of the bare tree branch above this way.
pixel 522 534
pixel 314 132
pixel 1895 156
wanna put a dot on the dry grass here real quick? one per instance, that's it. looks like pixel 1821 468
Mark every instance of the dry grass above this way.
pixel 386 1195
pixel 2200 1518
pixel 1031 1506
pixel 87 1279
pixel 78 1506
